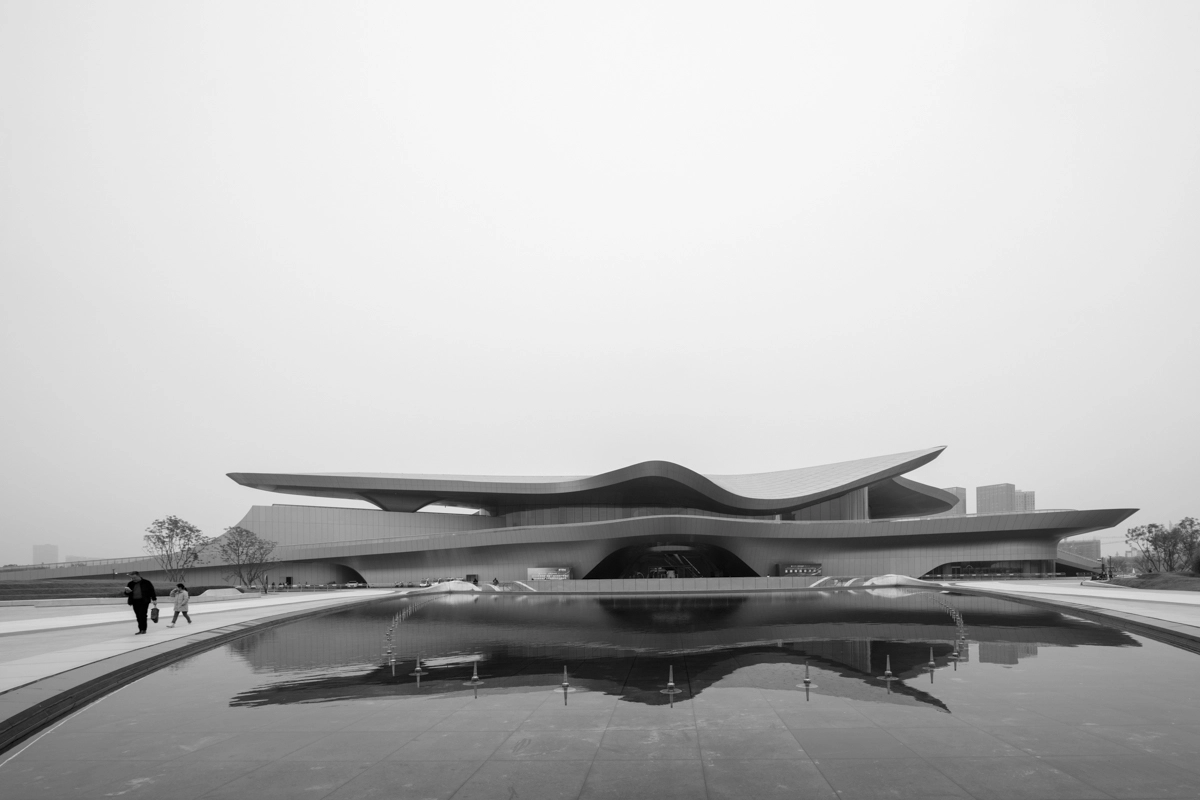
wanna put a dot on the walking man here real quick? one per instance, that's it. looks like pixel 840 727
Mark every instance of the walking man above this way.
pixel 140 593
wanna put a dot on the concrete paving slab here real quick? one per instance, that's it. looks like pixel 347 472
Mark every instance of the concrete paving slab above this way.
pixel 888 779
pixel 1170 740
pixel 1130 778
pixel 310 779
pixel 39 780
pixel 652 780
pixel 450 746
pixel 550 746
pixel 472 719
pixel 1057 740
pixel 826 743
pixel 649 745
pixel 953 742
pixel 545 780
pixel 559 718
pixel 760 744
pixel 361 746
pixel 1025 778
pixel 427 780
pixel 737 779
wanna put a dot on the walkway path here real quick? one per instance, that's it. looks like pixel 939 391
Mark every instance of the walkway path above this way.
pixel 48 641
pixel 1174 611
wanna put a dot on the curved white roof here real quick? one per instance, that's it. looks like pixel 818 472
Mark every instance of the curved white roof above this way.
pixel 645 483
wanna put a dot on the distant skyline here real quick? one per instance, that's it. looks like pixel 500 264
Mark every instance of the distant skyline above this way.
pixel 546 239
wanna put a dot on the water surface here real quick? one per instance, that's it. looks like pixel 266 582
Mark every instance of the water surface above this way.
pixel 1019 702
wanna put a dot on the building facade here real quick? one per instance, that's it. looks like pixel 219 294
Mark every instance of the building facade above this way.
pixel 651 520
pixel 1088 548
pixel 1003 498
pixel 960 508
pixel 45 554
pixel 998 498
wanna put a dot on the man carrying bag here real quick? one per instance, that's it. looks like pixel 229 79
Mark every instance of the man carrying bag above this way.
pixel 140 593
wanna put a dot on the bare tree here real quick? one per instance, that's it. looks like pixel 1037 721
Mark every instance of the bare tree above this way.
pixel 1165 548
pixel 176 544
pixel 1120 565
pixel 248 555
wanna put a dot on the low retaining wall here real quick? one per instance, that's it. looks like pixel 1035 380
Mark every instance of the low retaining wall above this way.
pixel 1185 637
pixel 669 585
pixel 55 602
pixel 52 602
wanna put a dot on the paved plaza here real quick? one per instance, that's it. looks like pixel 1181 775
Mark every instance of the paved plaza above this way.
pixel 1177 611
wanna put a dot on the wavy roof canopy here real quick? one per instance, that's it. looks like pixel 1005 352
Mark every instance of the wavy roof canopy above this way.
pixel 649 483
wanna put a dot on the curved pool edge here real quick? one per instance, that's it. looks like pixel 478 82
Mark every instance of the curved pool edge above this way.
pixel 1185 637
pixel 27 710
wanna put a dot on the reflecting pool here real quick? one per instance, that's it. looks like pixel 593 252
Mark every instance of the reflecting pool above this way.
pixel 986 698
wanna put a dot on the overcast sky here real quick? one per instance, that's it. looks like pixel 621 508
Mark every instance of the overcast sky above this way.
pixel 560 238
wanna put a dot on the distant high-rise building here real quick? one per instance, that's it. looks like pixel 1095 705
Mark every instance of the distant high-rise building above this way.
pixel 961 508
pixel 1003 498
pixel 45 554
pixel 1088 548
pixel 999 498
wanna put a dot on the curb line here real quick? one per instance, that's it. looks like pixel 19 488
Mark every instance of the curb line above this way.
pixel 1185 637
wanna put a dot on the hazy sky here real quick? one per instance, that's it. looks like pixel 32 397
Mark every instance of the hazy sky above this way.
pixel 560 238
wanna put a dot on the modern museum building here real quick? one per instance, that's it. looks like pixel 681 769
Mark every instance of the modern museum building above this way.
pixel 655 519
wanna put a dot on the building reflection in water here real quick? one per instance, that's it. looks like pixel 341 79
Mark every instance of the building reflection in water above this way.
pixel 625 645
pixel 1009 653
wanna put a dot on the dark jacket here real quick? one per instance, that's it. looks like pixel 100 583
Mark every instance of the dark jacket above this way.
pixel 148 593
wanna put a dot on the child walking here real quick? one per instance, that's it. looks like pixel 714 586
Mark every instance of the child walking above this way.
pixel 180 593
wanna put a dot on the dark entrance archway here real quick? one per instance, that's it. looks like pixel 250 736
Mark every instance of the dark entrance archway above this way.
pixel 346 573
pixel 662 560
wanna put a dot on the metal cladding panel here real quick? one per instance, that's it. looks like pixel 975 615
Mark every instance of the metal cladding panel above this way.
pixel 654 483
pixel 911 547
pixel 298 525
pixel 853 505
